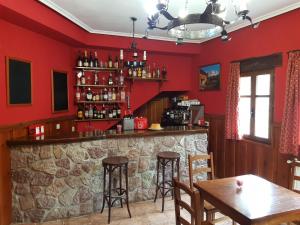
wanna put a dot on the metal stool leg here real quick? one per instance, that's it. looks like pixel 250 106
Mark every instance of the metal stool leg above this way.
pixel 157 179
pixel 104 189
pixel 127 200
pixel 163 185
pixel 109 192
pixel 120 180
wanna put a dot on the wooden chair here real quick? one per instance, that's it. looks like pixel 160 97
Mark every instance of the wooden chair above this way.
pixel 293 179
pixel 193 209
pixel 209 209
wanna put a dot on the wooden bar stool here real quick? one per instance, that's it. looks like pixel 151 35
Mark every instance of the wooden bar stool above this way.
pixel 110 164
pixel 165 159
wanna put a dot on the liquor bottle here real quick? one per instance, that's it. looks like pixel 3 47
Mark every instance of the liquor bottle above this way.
pixel 91 112
pixel 96 62
pixel 77 94
pixel 139 72
pixel 97 97
pixel 110 63
pixel 78 82
pixel 103 111
pixel 134 72
pixel 89 95
pixel 105 96
pixel 154 71
pixel 86 112
pixel 85 60
pixel 116 63
pixel 95 112
pixel 113 95
pixel 91 60
pixel 110 114
pixel 121 78
pixel 118 95
pixel 101 95
pixel 80 113
pixel 118 112
pixel 158 72
pixel 110 79
pixel 144 73
pixel 130 71
pixel 79 60
pixel 82 79
pixel 149 71
pixel 122 95
pixel 109 95
pixel 114 112
pixel 94 96
pixel 98 114
pixel 96 79
pixel 164 72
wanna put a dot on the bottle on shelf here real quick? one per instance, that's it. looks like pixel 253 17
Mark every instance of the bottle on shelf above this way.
pixel 116 63
pixel 96 62
pixel 121 78
pixel 103 112
pixel 95 112
pixel 113 95
pixel 78 94
pixel 118 112
pixel 101 95
pixel 110 114
pixel 91 112
pixel 130 71
pixel 154 71
pixel 89 95
pixel 94 96
pixel 96 79
pixel 164 72
pixel 114 112
pixel 158 72
pixel 110 63
pixel 85 60
pixel 80 115
pixel 110 79
pixel 134 72
pixel 144 73
pixel 122 95
pixel 97 97
pixel 139 72
pixel 91 60
pixel 118 95
pixel 79 60
pixel 82 79
pixel 78 82
pixel 105 95
pixel 109 95
pixel 86 112
pixel 149 72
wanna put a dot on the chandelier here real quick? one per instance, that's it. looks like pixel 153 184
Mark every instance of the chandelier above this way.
pixel 207 24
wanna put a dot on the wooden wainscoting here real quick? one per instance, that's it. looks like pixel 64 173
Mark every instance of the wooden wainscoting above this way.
pixel 14 131
pixel 234 158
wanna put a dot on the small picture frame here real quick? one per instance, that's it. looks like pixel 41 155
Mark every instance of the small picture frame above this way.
pixel 60 96
pixel 209 77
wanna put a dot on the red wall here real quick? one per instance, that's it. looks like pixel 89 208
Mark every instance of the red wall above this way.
pixel 279 34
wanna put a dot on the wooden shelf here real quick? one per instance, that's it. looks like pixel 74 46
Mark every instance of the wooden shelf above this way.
pixel 99 102
pixel 145 79
pixel 95 120
pixel 99 86
pixel 97 69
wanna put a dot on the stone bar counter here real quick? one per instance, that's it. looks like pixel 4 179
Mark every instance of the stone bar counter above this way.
pixel 61 176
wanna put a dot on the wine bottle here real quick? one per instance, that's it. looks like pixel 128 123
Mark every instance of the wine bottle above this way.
pixel 157 72
pixel 164 72
pixel 118 112
pixel 94 96
pixel 105 96
pixel 114 112
pixel 130 70
pixel 134 72
pixel 103 111
pixel 110 63
pixel 113 96
pixel 79 60
pixel 89 95
pixel 110 114
pixel 85 60
pixel 82 79
pixel 77 94
pixel 86 112
pixel 110 79
pixel 96 62
pixel 96 79
pixel 116 64
pixel 97 96
pixel 123 95
pixel 139 72
pixel 91 60
pixel 91 112
pixel 121 78
pixel 109 95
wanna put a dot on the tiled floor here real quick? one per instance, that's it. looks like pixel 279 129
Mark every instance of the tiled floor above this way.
pixel 143 213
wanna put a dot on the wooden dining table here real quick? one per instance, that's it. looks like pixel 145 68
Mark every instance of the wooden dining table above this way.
pixel 256 201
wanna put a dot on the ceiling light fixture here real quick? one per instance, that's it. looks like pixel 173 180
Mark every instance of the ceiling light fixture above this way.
pixel 198 25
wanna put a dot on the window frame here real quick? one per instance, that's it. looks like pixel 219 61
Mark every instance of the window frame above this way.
pixel 253 97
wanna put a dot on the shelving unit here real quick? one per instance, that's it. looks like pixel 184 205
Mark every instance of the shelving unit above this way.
pixel 97 69
pixel 99 120
pixel 99 102
pixel 99 86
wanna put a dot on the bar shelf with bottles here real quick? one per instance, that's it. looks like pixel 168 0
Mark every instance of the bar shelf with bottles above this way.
pixel 94 89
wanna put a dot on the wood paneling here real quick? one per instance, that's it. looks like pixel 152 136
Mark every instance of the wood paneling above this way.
pixel 14 131
pixel 234 158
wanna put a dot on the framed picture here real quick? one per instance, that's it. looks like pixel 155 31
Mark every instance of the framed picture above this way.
pixel 59 91
pixel 209 77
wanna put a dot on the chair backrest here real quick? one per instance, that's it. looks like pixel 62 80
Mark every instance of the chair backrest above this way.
pixel 294 183
pixel 194 170
pixel 193 208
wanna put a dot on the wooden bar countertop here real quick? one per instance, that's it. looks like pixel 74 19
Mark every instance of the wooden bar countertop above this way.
pixel 61 137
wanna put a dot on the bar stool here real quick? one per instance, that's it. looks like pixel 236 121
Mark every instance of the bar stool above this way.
pixel 165 159
pixel 110 164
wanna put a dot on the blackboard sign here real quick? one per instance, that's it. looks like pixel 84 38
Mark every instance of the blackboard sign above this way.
pixel 59 91
pixel 18 81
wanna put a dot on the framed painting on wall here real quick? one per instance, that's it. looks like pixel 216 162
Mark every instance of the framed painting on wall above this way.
pixel 209 77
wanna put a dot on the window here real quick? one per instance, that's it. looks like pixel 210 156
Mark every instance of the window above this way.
pixel 255 107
